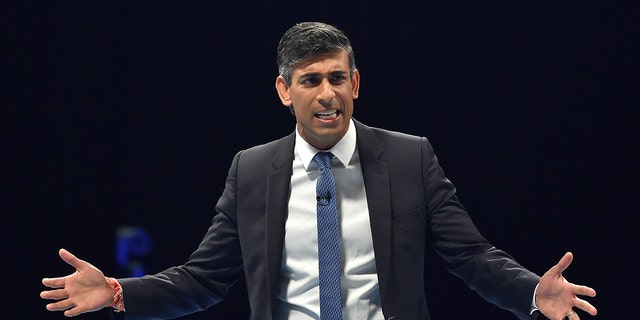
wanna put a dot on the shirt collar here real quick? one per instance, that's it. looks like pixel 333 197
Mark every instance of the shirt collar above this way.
pixel 343 150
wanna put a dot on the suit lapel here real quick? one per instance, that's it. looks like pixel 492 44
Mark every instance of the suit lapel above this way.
pixel 277 196
pixel 376 182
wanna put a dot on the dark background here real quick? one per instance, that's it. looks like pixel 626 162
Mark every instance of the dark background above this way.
pixel 128 113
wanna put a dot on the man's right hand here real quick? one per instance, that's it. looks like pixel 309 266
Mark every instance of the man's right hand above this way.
pixel 83 291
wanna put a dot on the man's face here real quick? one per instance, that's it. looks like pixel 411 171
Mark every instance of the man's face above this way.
pixel 322 94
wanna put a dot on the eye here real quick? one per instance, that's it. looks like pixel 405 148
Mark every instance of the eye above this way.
pixel 338 79
pixel 310 81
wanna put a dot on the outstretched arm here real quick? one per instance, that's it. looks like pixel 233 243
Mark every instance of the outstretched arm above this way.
pixel 556 297
pixel 83 291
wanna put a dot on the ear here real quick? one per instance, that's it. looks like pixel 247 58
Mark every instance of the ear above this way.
pixel 355 84
pixel 283 91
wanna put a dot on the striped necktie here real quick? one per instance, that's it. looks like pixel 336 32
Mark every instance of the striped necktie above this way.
pixel 328 240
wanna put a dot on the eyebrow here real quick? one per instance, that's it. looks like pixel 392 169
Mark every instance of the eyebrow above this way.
pixel 318 74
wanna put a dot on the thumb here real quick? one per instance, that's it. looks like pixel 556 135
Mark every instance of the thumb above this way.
pixel 562 265
pixel 71 259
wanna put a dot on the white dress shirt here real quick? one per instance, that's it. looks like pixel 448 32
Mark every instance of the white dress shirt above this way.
pixel 298 294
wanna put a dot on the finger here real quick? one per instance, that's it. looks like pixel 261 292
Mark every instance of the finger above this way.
pixel 71 259
pixel 586 307
pixel 583 291
pixel 74 312
pixel 54 294
pixel 60 305
pixel 54 282
pixel 572 315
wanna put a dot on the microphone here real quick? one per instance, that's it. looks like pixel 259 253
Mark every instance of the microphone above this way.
pixel 326 197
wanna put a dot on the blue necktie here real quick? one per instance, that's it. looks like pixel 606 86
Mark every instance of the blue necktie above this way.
pixel 328 240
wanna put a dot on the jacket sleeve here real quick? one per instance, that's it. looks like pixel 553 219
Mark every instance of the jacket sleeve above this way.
pixel 491 272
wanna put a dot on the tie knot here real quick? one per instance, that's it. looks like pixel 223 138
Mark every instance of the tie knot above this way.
pixel 323 159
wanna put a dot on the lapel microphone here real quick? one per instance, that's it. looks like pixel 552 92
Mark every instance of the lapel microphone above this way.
pixel 323 199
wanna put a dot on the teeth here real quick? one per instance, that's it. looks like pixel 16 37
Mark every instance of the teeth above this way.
pixel 327 115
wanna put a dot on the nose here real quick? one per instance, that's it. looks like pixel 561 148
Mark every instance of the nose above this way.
pixel 326 94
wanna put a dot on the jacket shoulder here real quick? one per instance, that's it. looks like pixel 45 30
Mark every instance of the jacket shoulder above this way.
pixel 276 152
pixel 374 140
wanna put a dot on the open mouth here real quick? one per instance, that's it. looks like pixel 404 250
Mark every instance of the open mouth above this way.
pixel 328 115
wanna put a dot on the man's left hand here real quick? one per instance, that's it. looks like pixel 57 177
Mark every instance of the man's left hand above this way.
pixel 556 297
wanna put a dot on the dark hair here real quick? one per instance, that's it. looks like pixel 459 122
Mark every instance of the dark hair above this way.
pixel 308 39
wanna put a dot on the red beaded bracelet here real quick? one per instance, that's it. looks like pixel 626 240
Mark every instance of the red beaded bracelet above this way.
pixel 116 289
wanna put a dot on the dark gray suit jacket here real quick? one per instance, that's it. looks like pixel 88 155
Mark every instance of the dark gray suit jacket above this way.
pixel 411 202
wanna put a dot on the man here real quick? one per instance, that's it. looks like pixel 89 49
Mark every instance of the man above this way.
pixel 391 199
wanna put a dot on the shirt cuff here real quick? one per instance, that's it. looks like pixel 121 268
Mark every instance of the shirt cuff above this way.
pixel 534 306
